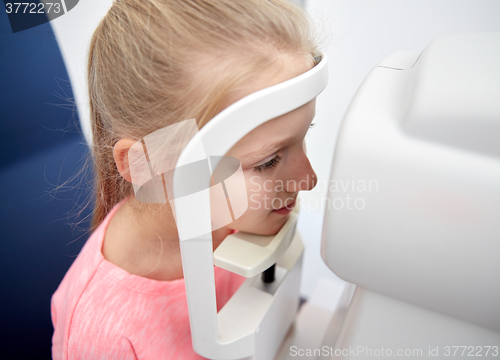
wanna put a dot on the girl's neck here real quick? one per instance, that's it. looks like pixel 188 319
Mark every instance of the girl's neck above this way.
pixel 147 249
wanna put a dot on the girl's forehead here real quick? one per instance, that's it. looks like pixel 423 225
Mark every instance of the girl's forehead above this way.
pixel 275 134
pixel 285 127
pixel 287 67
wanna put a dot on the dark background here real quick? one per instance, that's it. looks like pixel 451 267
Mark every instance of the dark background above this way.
pixel 45 201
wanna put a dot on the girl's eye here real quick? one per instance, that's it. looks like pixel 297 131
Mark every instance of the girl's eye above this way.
pixel 268 165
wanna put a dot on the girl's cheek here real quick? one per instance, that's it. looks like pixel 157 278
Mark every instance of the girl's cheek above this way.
pixel 260 193
pixel 253 187
pixel 254 182
pixel 255 203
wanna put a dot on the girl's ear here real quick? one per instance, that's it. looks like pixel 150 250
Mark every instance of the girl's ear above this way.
pixel 120 154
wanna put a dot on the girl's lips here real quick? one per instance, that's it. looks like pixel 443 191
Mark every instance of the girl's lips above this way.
pixel 285 209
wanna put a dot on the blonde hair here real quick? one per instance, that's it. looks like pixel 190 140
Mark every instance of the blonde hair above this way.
pixel 147 60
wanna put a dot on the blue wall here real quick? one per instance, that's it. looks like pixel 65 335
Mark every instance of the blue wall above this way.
pixel 41 148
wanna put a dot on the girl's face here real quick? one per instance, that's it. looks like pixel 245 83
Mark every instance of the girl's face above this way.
pixel 275 165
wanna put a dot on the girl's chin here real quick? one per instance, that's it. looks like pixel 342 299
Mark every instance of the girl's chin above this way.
pixel 266 227
pixel 273 225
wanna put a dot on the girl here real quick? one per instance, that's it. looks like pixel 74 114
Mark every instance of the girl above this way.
pixel 152 64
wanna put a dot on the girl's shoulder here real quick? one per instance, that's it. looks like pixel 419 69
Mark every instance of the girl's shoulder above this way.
pixel 107 307
pixel 86 263
pixel 70 290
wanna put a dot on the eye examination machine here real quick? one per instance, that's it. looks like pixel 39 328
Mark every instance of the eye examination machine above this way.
pixel 421 259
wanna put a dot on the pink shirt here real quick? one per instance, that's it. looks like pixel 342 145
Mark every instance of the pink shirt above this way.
pixel 100 311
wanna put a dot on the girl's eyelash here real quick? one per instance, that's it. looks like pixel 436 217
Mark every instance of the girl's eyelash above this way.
pixel 310 127
pixel 268 165
pixel 275 160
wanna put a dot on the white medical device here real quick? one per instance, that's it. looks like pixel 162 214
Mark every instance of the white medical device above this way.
pixel 420 147
pixel 421 142
pixel 254 322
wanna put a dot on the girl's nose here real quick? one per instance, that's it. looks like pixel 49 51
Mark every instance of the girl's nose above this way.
pixel 304 178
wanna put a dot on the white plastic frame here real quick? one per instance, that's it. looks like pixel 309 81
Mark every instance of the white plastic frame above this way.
pixel 217 137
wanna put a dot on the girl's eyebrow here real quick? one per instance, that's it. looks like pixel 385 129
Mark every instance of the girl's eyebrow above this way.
pixel 267 149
